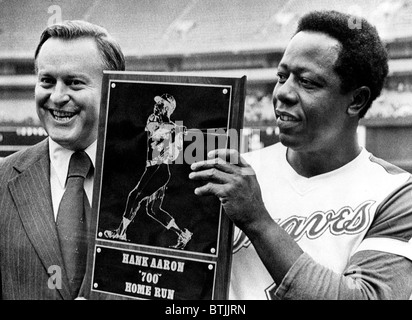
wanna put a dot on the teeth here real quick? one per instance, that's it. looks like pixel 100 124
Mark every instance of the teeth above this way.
pixel 62 119
pixel 286 118
pixel 62 115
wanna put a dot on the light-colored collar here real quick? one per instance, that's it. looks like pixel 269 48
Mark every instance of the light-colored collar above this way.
pixel 60 158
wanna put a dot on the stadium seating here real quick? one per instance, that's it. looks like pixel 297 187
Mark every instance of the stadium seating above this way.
pixel 206 37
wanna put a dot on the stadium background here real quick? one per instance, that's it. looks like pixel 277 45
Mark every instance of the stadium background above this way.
pixel 209 37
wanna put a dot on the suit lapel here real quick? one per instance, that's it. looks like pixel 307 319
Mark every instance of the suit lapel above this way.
pixel 32 195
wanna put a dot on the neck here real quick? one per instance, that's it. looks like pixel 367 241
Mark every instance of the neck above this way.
pixel 309 164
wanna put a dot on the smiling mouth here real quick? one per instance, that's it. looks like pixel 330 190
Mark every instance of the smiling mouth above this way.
pixel 286 117
pixel 62 116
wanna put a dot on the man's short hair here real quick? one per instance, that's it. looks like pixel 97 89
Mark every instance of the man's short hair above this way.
pixel 112 55
pixel 363 59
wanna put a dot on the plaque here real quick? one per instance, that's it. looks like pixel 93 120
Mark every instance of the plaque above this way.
pixel 153 238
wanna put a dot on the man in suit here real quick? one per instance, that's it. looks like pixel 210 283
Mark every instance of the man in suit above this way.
pixel 69 61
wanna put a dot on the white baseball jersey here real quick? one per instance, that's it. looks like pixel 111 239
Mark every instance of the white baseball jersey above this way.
pixel 363 205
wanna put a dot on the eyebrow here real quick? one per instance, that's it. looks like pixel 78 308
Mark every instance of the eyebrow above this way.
pixel 67 76
pixel 298 69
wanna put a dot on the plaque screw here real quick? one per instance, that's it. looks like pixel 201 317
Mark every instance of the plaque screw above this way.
pixel 210 267
pixel 95 285
pixel 99 250
pixel 113 85
pixel 100 234
pixel 213 250
pixel 224 91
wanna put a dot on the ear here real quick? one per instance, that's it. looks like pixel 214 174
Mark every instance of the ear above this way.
pixel 360 97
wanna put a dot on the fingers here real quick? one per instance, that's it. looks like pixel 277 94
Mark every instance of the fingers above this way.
pixel 209 189
pixel 221 177
pixel 228 161
pixel 228 155
pixel 221 159
pixel 217 163
pixel 216 172
pixel 213 175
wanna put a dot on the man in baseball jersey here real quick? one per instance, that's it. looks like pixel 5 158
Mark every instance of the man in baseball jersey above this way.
pixel 317 215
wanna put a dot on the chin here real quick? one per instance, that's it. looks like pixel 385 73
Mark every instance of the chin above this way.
pixel 286 140
pixel 66 141
pixel 291 142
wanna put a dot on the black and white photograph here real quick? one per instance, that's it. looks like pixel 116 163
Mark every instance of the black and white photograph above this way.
pixel 206 154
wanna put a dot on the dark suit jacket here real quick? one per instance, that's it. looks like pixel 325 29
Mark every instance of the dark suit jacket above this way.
pixel 29 244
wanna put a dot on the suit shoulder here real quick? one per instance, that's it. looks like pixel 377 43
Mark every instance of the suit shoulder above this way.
pixel 23 157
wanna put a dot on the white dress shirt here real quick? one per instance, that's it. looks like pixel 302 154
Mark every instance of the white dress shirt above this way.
pixel 59 166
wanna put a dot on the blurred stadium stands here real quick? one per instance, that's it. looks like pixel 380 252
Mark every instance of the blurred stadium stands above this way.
pixel 213 37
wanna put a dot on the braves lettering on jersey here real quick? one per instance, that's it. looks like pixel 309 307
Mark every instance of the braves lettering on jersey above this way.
pixel 331 216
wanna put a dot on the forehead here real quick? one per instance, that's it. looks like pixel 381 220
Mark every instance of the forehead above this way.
pixel 311 50
pixel 77 55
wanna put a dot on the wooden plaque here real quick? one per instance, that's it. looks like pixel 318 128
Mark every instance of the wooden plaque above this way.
pixel 153 238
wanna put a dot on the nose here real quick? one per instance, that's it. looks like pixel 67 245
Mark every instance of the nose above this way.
pixel 285 92
pixel 59 95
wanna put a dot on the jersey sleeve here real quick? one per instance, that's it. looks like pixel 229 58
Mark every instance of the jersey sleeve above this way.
pixel 391 229
pixel 369 275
